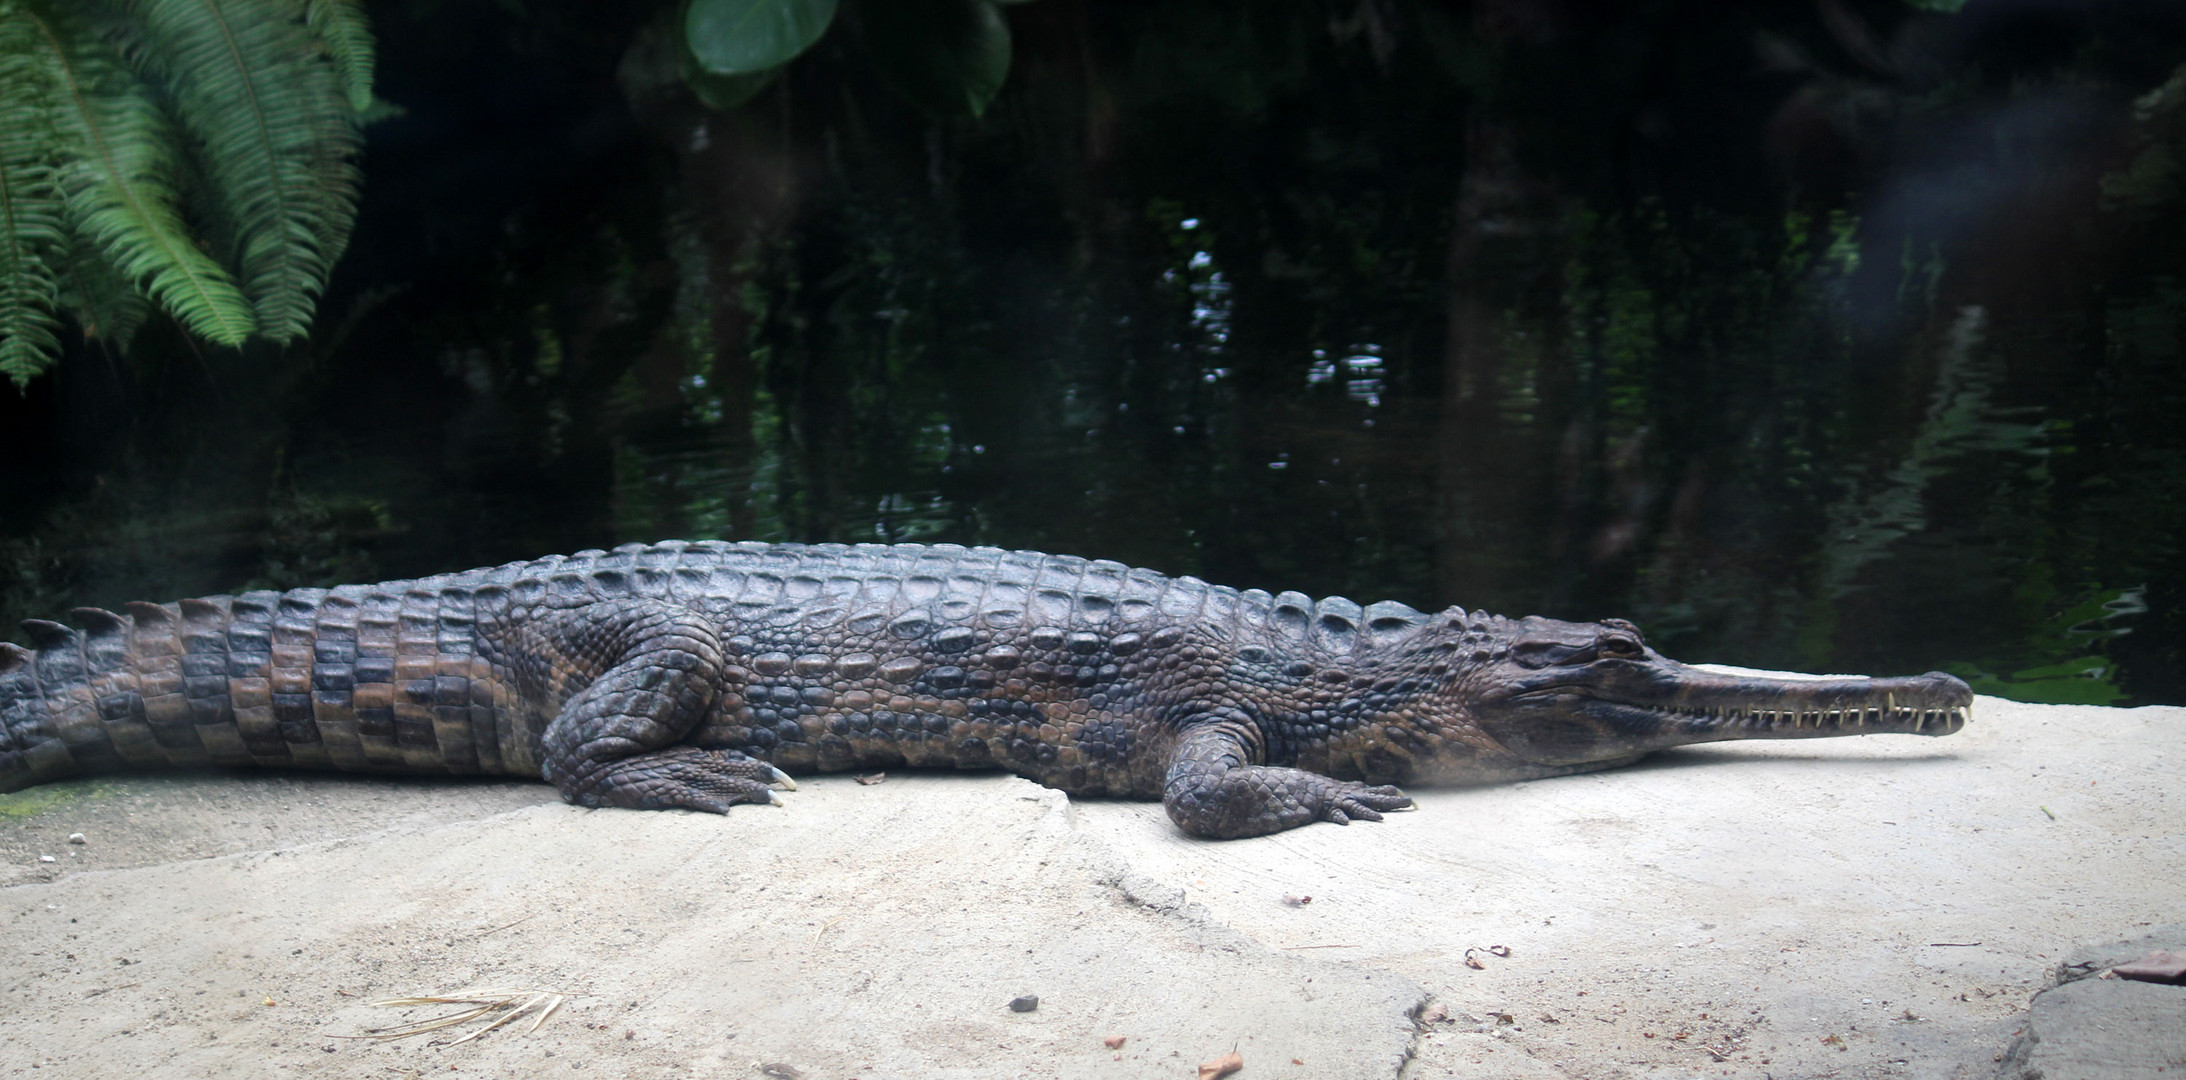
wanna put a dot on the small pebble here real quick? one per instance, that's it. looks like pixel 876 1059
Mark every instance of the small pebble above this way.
pixel 75 838
pixel 47 858
pixel 1026 1003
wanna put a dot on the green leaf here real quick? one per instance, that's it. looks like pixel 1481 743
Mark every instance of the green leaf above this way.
pixel 2089 667
pixel 279 137
pixel 2063 691
pixel 948 57
pixel 30 204
pixel 378 110
pixel 745 37
pixel 116 153
pixel 340 25
pixel 728 91
pixel 108 308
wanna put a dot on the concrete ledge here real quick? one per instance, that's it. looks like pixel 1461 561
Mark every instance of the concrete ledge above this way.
pixel 1879 907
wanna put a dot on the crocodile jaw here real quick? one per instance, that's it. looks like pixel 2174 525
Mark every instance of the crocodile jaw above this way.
pixel 1615 709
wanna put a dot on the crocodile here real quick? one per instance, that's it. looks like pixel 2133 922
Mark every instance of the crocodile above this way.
pixel 701 675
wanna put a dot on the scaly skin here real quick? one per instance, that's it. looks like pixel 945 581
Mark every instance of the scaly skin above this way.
pixel 695 675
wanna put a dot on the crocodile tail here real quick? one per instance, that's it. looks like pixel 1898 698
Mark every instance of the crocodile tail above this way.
pixel 104 697
pixel 35 696
pixel 17 695
pixel 384 678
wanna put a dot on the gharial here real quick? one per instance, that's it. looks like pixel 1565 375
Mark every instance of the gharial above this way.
pixel 700 675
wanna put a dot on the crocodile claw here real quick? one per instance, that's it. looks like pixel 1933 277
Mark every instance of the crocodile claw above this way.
pixel 783 779
pixel 775 798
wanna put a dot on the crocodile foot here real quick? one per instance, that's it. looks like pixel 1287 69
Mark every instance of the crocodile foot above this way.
pixel 679 777
pixel 1342 801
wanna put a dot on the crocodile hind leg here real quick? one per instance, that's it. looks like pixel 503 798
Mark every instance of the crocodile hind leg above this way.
pixel 614 742
pixel 1215 787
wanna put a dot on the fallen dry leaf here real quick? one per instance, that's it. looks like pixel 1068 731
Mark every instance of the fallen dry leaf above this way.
pixel 1221 1066
pixel 869 779
pixel 509 1003
pixel 1436 1013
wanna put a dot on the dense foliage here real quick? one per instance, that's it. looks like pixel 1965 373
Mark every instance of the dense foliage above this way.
pixel 1836 335
pixel 195 154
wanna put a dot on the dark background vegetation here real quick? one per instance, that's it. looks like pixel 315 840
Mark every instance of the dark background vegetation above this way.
pixel 1821 334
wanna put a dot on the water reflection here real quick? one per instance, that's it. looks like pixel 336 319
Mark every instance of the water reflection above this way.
pixel 1804 342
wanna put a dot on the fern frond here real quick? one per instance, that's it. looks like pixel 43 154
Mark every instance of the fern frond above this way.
pixel 116 151
pixel 340 26
pixel 30 204
pixel 108 307
pixel 279 140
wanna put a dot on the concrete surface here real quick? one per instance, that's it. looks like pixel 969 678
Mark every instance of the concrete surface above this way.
pixel 1873 907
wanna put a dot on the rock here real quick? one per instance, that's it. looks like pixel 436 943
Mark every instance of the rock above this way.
pixel 1027 1003
pixel 2091 1028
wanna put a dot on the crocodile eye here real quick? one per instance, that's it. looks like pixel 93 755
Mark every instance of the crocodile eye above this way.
pixel 1620 645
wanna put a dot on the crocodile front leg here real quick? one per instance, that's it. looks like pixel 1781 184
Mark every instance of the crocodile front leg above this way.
pixel 613 742
pixel 1217 788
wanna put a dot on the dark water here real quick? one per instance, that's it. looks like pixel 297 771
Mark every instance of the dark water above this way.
pixel 1834 336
